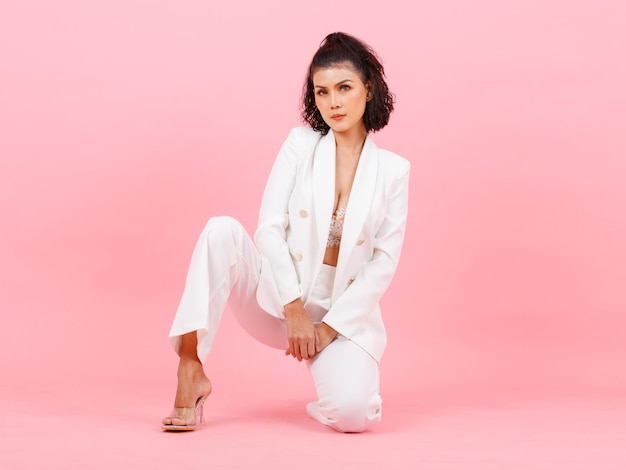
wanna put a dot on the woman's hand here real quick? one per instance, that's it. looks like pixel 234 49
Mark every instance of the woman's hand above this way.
pixel 324 335
pixel 300 331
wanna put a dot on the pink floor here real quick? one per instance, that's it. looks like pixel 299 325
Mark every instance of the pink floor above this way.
pixel 105 414
pixel 268 432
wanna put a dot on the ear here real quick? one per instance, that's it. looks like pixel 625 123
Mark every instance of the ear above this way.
pixel 368 87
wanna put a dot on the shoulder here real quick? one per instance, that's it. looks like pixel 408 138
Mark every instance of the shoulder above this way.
pixel 303 136
pixel 393 163
pixel 389 162
pixel 298 145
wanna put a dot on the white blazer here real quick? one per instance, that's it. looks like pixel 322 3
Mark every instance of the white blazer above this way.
pixel 294 221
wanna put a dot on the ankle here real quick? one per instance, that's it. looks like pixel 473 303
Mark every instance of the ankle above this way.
pixel 189 365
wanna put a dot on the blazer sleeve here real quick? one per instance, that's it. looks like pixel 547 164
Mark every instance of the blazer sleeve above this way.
pixel 348 315
pixel 271 234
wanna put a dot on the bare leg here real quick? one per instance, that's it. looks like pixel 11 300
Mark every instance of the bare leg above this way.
pixel 193 384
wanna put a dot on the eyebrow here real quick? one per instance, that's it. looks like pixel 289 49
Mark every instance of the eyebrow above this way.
pixel 337 84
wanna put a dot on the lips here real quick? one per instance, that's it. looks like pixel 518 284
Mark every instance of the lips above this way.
pixel 337 117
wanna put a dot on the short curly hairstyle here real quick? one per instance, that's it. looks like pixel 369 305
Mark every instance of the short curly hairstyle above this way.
pixel 339 48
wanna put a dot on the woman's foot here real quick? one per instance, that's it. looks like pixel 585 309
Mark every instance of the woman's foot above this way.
pixel 193 388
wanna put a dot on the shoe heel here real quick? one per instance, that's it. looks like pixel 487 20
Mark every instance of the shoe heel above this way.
pixel 200 410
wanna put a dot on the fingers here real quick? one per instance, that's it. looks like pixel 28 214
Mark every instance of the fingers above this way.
pixel 318 347
pixel 311 349
pixel 301 338
pixel 294 350
pixel 304 349
pixel 307 347
pixel 297 350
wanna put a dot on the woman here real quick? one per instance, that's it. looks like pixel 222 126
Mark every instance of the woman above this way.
pixel 331 227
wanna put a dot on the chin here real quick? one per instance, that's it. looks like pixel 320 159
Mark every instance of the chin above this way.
pixel 338 127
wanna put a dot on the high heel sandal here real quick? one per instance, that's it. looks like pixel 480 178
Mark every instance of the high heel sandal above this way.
pixel 199 412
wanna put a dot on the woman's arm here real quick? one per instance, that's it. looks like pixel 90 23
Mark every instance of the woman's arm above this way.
pixel 270 236
pixel 348 313
pixel 271 239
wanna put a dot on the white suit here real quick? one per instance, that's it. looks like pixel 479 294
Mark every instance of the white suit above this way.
pixel 293 229
pixel 291 238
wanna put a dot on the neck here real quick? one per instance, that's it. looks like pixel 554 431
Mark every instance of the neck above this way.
pixel 351 142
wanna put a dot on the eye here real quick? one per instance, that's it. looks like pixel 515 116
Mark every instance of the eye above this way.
pixel 344 87
pixel 321 92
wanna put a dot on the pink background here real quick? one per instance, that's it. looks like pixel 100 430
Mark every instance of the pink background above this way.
pixel 124 125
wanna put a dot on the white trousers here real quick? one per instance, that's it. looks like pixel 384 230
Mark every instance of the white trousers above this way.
pixel 225 268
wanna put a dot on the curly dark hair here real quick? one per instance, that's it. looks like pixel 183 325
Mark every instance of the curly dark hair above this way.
pixel 339 48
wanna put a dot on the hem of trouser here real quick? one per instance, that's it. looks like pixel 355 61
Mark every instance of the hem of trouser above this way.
pixel 175 338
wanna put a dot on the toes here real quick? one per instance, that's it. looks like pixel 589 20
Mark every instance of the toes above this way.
pixel 182 422
pixel 181 417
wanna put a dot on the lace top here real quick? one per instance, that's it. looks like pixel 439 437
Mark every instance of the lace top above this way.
pixel 336 227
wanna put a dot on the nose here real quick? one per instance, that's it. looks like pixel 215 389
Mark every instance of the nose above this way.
pixel 334 100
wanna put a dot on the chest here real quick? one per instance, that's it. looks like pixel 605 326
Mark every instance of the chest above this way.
pixel 345 171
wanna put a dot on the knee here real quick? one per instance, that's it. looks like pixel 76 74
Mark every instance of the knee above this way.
pixel 222 228
pixel 223 223
pixel 352 414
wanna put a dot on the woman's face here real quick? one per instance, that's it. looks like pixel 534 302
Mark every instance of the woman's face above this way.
pixel 340 96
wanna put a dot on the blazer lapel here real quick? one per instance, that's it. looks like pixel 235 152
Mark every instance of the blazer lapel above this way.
pixel 360 201
pixel 324 187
